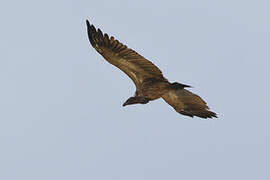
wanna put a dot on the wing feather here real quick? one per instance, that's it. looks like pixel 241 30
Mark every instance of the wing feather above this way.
pixel 129 61
pixel 187 103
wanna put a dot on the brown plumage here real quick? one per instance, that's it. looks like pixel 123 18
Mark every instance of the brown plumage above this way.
pixel 148 79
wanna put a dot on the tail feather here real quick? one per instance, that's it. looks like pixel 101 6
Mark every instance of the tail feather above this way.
pixel 177 85
pixel 187 103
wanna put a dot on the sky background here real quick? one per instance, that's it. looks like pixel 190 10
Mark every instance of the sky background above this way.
pixel 61 114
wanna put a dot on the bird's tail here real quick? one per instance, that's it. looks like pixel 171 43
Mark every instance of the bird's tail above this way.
pixel 177 85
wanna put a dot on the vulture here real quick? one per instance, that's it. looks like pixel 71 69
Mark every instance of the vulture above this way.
pixel 148 79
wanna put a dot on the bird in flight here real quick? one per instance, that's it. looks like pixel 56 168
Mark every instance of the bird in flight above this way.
pixel 148 79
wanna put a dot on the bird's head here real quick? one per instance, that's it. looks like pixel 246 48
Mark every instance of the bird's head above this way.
pixel 129 101
pixel 136 100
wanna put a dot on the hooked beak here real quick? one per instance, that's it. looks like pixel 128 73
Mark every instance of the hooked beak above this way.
pixel 129 101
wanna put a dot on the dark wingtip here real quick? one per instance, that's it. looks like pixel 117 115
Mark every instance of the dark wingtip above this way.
pixel 214 115
pixel 90 31
pixel 200 114
pixel 209 114
pixel 87 23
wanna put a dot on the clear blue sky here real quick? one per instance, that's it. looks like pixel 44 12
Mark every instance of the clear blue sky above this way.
pixel 61 114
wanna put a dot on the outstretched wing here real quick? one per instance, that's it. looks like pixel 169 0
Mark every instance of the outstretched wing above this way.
pixel 187 103
pixel 133 64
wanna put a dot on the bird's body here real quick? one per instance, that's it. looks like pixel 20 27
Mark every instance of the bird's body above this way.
pixel 148 79
pixel 153 88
